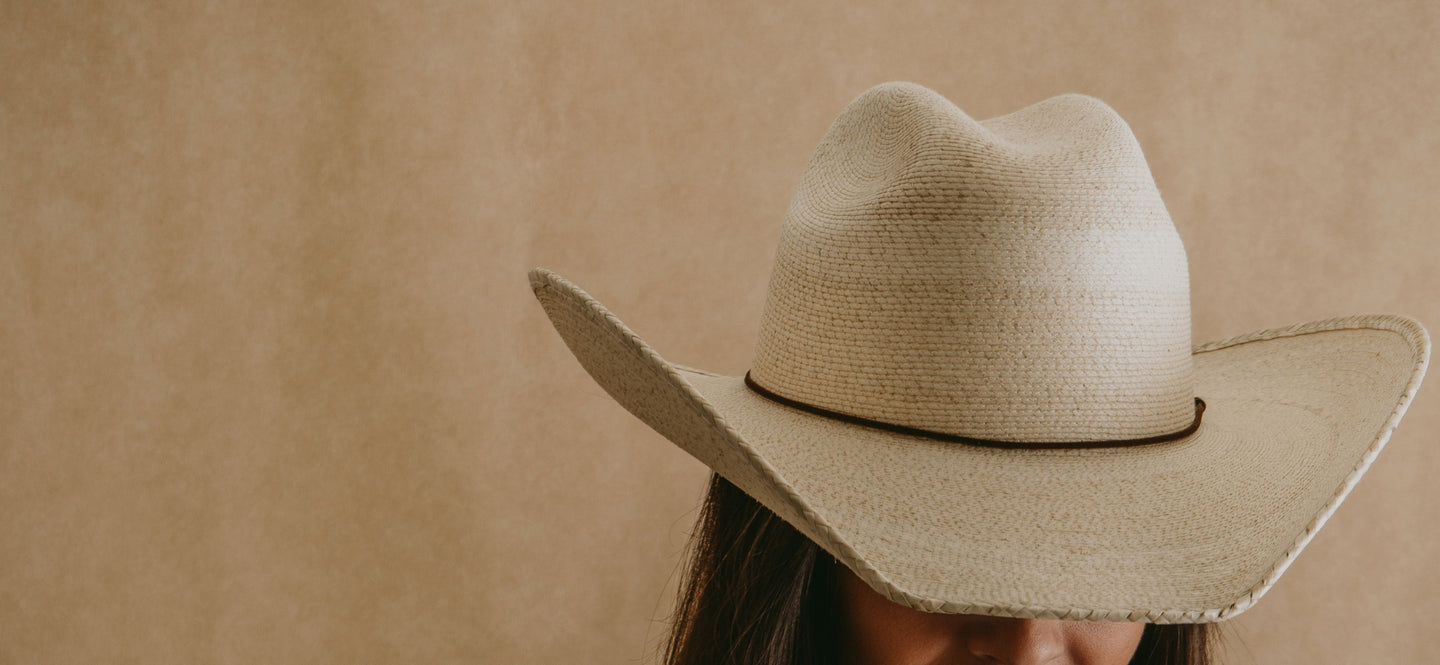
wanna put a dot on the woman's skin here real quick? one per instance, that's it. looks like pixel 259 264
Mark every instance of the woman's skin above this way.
pixel 880 632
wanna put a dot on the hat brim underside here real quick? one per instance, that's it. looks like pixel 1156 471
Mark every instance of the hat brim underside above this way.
pixel 1188 531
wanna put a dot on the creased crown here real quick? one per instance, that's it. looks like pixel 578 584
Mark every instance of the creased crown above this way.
pixel 1013 279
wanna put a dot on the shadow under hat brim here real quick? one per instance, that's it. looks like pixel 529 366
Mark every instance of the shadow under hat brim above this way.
pixel 1188 531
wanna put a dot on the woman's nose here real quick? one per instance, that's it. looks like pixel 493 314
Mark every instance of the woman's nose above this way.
pixel 1006 641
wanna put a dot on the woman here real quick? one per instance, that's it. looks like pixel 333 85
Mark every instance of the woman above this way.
pixel 757 591
pixel 975 428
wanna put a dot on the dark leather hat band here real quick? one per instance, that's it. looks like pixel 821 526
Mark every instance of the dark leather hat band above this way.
pixel 942 436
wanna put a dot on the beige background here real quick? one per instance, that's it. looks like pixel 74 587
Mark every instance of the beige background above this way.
pixel 273 387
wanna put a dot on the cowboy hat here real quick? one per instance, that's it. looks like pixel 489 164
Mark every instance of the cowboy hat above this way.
pixel 974 382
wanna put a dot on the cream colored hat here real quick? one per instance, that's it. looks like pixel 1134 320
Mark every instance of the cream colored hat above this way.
pixel 974 382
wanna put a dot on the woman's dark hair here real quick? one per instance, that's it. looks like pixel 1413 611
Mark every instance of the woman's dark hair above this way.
pixel 757 592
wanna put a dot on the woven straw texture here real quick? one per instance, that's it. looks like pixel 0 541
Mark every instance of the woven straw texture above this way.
pixel 1012 279
pixel 1016 280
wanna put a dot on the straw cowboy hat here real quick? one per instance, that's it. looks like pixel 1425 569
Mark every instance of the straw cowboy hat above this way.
pixel 974 382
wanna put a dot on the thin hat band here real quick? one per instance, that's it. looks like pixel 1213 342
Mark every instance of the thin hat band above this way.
pixel 955 438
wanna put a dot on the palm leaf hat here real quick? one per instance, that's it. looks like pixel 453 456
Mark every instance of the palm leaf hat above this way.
pixel 974 382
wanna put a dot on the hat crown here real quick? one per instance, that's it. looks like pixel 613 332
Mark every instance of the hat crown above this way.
pixel 1013 279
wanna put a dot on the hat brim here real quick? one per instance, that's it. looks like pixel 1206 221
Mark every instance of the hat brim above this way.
pixel 1188 531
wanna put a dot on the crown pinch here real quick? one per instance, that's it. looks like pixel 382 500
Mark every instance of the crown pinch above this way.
pixel 1017 279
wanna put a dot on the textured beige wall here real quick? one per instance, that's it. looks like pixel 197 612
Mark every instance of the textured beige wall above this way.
pixel 273 387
